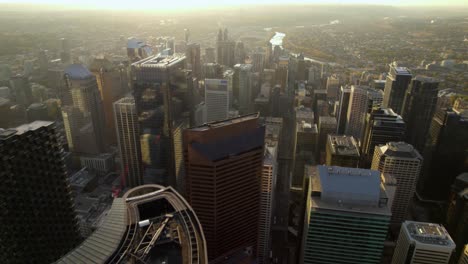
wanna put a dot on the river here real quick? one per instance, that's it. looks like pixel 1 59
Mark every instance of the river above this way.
pixel 277 40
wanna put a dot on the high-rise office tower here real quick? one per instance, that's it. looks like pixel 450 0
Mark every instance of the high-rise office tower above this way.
pixel 37 221
pixel 403 162
pixel 423 243
pixel 398 80
pixel 225 49
pixel 216 99
pixel 244 81
pixel 326 126
pixel 342 151
pixel 223 162
pixel 162 92
pixel 333 87
pixel 258 60
pixel 445 153
pixel 418 110
pixel 193 55
pixel 210 55
pixel 37 111
pixel 457 213
pixel 85 95
pixel 112 83
pixel 345 94
pixel 128 136
pixel 137 49
pixel 346 207
pixel 149 224
pixel 382 126
pixel 22 89
pixel 361 102
pixel 267 198
pixel 305 149
pixel 65 51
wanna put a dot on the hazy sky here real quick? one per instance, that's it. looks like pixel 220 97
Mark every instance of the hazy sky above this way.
pixel 189 4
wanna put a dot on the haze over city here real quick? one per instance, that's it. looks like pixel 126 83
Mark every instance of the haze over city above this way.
pixel 234 132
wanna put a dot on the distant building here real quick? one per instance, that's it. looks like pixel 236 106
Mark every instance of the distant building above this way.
pixel 210 55
pixel 216 99
pixel 225 49
pixel 362 100
pixel 418 110
pixel 396 85
pixel 333 87
pixel 423 243
pixel 137 49
pixel 382 126
pixel 156 222
pixel 128 138
pixel 223 164
pixel 36 112
pixel 193 55
pixel 345 206
pixel 344 95
pixel 444 153
pixel 244 73
pixel 22 90
pixel 102 164
pixel 38 220
pixel 404 163
pixel 326 126
pixel 342 151
pixel 85 94
pixel 305 148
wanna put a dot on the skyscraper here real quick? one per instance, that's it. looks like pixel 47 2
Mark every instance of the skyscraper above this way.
pixel 361 102
pixel 423 243
pixel 403 162
pixel 225 49
pixel 216 99
pixel 112 83
pixel 244 81
pixel 128 136
pixel 326 126
pixel 37 219
pixel 382 126
pixel 346 217
pixel 267 198
pixel 85 96
pixel 445 153
pixel 193 55
pixel 223 162
pixel 398 79
pixel 162 92
pixel 22 90
pixel 418 109
pixel 345 94
pixel 457 213
pixel 333 87
pixel 342 151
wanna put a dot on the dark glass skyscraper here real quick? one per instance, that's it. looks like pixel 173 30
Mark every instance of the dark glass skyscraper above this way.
pixel 162 92
pixel 37 218
pixel 396 85
pixel 418 109
pixel 445 153
pixel 382 126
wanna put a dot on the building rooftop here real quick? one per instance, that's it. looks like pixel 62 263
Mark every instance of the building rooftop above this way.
pixel 159 61
pixel 400 150
pixel 6 133
pixel 425 79
pixel 77 72
pixel 327 120
pixel 348 189
pixel 244 67
pixel 343 145
pixel 428 233
pixel 225 122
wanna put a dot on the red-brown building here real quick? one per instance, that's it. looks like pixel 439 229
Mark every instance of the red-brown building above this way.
pixel 223 162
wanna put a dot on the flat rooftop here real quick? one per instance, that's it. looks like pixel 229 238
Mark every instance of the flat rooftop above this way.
pixel 159 61
pixel 400 150
pixel 6 133
pixel 402 71
pixel 343 145
pixel 429 233
pixel 226 122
